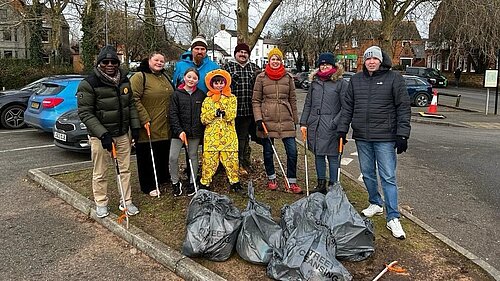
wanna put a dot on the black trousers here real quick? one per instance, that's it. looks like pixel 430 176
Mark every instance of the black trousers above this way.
pixel 244 126
pixel 161 151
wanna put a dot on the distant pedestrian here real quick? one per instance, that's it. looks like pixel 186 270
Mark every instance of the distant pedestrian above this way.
pixel 106 107
pixel 275 106
pixel 377 106
pixel 243 73
pixel 220 143
pixel 457 73
pixel 185 124
pixel 321 115
pixel 152 94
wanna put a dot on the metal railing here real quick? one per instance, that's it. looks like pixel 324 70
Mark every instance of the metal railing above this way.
pixel 458 96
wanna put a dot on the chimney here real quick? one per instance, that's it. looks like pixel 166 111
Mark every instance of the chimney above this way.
pixel 222 27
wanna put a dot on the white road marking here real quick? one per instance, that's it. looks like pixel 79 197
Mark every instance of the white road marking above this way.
pixel 18 131
pixel 346 161
pixel 27 148
pixel 355 153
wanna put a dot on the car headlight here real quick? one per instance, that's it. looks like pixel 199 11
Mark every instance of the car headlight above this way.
pixel 82 126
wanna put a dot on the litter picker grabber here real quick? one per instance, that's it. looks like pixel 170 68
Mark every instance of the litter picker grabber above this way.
pixel 120 186
pixel 341 150
pixel 277 157
pixel 304 138
pixel 390 267
pixel 193 176
pixel 152 159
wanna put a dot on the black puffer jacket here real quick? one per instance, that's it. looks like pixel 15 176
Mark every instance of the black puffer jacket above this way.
pixel 185 112
pixel 104 107
pixel 377 106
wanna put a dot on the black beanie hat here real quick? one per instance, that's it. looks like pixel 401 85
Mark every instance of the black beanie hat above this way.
pixel 326 58
pixel 241 46
pixel 107 52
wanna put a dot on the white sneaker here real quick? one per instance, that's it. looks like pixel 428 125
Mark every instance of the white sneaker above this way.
pixel 397 230
pixel 372 210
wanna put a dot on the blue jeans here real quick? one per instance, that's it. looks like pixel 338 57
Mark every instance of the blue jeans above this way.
pixel 333 165
pixel 382 155
pixel 291 159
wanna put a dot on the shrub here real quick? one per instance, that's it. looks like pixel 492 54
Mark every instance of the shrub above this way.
pixel 15 73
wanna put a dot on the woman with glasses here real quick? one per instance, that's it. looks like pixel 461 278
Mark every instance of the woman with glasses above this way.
pixel 152 94
pixel 320 117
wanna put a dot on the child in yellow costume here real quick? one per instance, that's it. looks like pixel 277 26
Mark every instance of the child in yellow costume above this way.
pixel 220 142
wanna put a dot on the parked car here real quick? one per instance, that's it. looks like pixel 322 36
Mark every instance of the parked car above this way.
pixel 299 78
pixel 420 91
pixel 55 97
pixel 432 75
pixel 71 133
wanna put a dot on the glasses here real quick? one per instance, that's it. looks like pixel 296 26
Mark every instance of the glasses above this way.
pixel 112 62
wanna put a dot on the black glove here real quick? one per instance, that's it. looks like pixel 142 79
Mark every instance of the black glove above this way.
pixel 260 125
pixel 107 141
pixel 218 112
pixel 135 134
pixel 222 113
pixel 401 144
pixel 343 136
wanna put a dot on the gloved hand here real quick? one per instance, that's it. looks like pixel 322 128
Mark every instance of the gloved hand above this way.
pixel 303 130
pixel 183 137
pixel 222 113
pixel 343 136
pixel 107 141
pixel 401 144
pixel 135 135
pixel 260 125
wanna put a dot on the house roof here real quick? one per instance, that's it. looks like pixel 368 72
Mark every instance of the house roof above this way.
pixel 217 48
pixel 419 51
pixel 370 29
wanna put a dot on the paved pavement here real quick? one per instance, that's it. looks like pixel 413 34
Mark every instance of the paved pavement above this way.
pixel 459 118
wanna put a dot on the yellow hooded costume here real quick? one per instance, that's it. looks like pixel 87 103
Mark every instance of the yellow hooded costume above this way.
pixel 220 141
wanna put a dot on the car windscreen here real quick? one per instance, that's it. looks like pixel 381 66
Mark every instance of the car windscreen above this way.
pixel 49 89
pixel 33 85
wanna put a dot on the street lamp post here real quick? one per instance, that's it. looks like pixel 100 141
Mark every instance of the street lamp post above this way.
pixel 496 93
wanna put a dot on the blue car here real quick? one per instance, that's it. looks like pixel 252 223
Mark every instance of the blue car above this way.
pixel 55 97
pixel 419 89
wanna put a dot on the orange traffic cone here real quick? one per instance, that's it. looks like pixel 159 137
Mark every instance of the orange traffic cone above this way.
pixel 432 110
pixel 433 107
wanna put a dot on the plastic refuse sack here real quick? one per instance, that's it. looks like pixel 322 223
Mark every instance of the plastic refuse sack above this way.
pixel 258 231
pixel 309 251
pixel 354 235
pixel 212 226
pixel 291 214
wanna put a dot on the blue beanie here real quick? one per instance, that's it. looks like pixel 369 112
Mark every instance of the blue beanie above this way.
pixel 326 58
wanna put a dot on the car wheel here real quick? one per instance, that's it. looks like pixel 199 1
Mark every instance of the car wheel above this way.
pixel 421 100
pixel 13 117
pixel 305 85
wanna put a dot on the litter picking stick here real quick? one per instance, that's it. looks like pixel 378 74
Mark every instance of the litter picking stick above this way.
pixel 341 150
pixel 193 176
pixel 120 186
pixel 277 157
pixel 304 138
pixel 152 159
pixel 389 267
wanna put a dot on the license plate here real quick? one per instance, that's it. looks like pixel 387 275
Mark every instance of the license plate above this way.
pixel 59 136
pixel 35 105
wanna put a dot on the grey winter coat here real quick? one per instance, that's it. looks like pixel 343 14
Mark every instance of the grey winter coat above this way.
pixel 321 112
pixel 377 106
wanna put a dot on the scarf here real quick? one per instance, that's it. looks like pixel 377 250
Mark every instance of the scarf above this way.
pixel 216 95
pixel 275 74
pixel 182 86
pixel 326 75
pixel 113 80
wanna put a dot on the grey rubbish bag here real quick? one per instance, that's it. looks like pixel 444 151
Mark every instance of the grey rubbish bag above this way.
pixel 354 235
pixel 212 226
pixel 258 231
pixel 308 246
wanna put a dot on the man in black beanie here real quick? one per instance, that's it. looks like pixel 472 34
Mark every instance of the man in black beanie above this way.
pixel 105 106
pixel 243 73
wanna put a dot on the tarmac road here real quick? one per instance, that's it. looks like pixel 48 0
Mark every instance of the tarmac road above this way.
pixel 42 237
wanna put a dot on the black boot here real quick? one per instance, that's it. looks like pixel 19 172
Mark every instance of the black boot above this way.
pixel 321 187
pixel 236 188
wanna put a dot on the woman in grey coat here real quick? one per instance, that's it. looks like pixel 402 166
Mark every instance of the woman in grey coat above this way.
pixel 320 116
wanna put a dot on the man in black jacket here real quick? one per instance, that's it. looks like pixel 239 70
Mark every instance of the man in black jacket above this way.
pixel 377 106
pixel 105 106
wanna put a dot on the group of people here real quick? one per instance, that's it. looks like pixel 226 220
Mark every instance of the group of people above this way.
pixel 224 108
